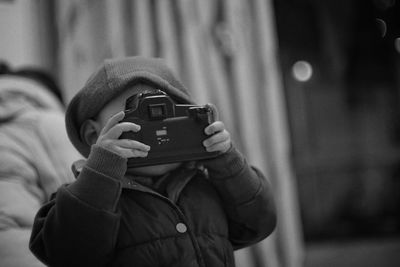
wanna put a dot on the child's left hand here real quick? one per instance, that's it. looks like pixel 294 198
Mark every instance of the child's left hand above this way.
pixel 220 138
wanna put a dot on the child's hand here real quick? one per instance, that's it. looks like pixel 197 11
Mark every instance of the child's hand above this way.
pixel 108 138
pixel 220 139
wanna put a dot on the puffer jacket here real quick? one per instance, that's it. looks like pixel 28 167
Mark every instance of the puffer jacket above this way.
pixel 35 160
pixel 107 219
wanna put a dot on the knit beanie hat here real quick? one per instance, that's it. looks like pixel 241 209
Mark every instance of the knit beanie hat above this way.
pixel 112 78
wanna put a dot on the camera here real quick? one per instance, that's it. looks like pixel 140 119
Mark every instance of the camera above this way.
pixel 175 132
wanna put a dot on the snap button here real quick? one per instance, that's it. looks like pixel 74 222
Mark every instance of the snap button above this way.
pixel 181 228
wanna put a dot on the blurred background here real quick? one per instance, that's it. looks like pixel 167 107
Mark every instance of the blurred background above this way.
pixel 309 90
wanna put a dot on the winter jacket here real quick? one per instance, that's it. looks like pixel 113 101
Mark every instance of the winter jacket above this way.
pixel 35 159
pixel 107 219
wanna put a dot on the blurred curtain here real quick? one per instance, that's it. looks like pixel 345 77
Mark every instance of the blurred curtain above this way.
pixel 225 51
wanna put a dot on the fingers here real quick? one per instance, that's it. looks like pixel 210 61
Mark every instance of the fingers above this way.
pixel 130 153
pixel 109 138
pixel 216 138
pixel 113 121
pixel 113 129
pixel 126 148
pixel 116 131
pixel 132 144
pixel 214 127
pixel 220 141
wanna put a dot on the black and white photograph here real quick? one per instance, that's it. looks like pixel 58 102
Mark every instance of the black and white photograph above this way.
pixel 200 133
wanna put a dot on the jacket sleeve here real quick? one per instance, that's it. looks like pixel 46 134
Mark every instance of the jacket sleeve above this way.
pixel 247 197
pixel 78 227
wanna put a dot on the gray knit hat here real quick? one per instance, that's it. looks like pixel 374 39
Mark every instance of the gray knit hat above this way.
pixel 112 78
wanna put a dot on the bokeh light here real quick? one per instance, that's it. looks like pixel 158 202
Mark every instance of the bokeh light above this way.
pixel 381 26
pixel 302 71
pixel 397 44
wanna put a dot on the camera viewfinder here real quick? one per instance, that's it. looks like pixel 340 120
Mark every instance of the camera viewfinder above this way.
pixel 157 111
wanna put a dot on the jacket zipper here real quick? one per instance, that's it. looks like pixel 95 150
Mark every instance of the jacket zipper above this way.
pixel 178 212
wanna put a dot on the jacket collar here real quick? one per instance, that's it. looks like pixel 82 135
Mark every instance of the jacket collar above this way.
pixel 177 179
pixel 176 182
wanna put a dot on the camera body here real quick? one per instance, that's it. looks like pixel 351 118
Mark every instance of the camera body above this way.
pixel 175 132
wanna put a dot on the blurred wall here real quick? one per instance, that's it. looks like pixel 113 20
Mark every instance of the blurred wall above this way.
pixel 26 33
pixel 344 118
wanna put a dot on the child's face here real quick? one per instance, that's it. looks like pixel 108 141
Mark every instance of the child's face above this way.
pixel 118 104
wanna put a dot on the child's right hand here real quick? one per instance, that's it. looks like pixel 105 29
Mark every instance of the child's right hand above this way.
pixel 109 138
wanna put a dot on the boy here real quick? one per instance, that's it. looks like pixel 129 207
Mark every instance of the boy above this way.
pixel 177 214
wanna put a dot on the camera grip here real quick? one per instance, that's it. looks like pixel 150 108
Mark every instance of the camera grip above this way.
pixel 212 113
